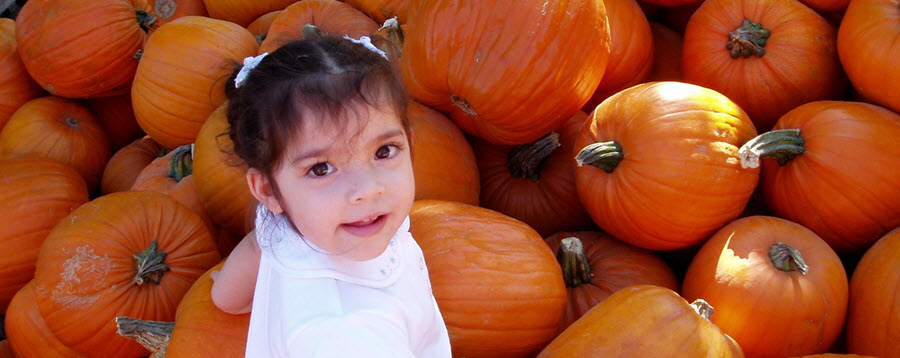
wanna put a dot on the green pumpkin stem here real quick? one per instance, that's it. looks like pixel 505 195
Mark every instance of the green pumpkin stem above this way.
pixel 603 155
pixel 786 258
pixel 150 265
pixel 781 144
pixel 393 38
pixel 525 161
pixel 463 105
pixel 574 263
pixel 145 20
pixel 748 40
pixel 703 308
pixel 153 335
pixel 181 164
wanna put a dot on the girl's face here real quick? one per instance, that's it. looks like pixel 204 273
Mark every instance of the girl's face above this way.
pixel 347 189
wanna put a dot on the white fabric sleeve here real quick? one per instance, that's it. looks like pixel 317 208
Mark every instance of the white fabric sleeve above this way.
pixel 354 335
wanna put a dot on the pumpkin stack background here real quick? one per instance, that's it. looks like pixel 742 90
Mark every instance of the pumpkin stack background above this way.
pixel 583 168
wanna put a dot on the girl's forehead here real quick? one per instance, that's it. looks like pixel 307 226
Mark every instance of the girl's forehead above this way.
pixel 344 129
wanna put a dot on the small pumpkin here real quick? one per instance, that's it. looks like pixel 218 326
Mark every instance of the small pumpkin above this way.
pixel 260 27
pixel 127 163
pixel 868 50
pixel 658 165
pixel 873 316
pixel 116 116
pixel 329 16
pixel 831 167
pixel 498 287
pixel 667 44
pixel 644 321
pixel 16 85
pixel 443 162
pixel 779 290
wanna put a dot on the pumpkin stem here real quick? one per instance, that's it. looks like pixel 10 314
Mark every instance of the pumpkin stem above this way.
pixel 393 36
pixel 575 266
pixel 748 40
pixel 153 335
pixel 164 9
pixel 781 144
pixel 260 38
pixel 603 155
pixel 525 161
pixel 463 105
pixel 311 32
pixel 72 122
pixel 146 20
pixel 703 308
pixel 786 258
pixel 181 164
pixel 150 265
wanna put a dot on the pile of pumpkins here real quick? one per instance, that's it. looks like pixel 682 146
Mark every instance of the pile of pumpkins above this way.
pixel 593 178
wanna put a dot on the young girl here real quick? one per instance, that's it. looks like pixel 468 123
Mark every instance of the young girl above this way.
pixel 330 269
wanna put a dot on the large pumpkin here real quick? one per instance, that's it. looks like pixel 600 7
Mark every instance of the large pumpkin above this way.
pixel 873 317
pixel 243 12
pixel 81 48
pixel 498 287
pixel 182 74
pixel 443 160
pixel 596 265
pixel 869 51
pixel 779 290
pixel 132 254
pixel 659 166
pixel 16 85
pixel 61 129
pixel 508 74
pixel 832 167
pixel 330 16
pixel 768 57
pixel 27 331
pixel 535 182
pixel 35 194
pixel 644 321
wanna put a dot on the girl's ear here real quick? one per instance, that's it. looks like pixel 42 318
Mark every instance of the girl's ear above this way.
pixel 262 190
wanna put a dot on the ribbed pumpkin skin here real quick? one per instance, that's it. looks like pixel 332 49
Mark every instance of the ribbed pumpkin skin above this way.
pixel 548 204
pixel 801 44
pixel 243 12
pixel 643 321
pixel 330 16
pixel 873 317
pixel 443 160
pixel 35 194
pixel 80 48
pixel 27 331
pixel 221 335
pixel 846 185
pixel 680 179
pixel 381 10
pixel 16 85
pixel 523 70
pixel 86 268
pixel 61 129
pixel 770 312
pixel 869 52
pixel 172 96
pixel 499 289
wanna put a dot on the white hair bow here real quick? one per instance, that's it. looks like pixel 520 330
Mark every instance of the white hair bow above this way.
pixel 367 43
pixel 249 63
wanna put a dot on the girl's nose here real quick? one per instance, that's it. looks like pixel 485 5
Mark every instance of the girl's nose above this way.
pixel 367 185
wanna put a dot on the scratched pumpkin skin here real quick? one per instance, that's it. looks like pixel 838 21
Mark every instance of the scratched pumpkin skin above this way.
pixel 85 274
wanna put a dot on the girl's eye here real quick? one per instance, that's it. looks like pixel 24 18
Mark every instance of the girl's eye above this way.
pixel 386 151
pixel 321 169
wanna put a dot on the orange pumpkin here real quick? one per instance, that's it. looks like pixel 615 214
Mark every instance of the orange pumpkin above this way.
pixel 219 176
pixel 199 320
pixel 660 167
pixel 630 50
pixel 166 11
pixel 127 163
pixel 243 12
pixel 260 27
pixel 508 74
pixel 873 317
pixel 535 182
pixel 839 176
pixel 443 161
pixel 596 265
pixel 27 331
pixel 835 355
pixel 61 129
pixel 35 194
pixel 132 254
pixel 498 287
pixel 867 46
pixel 16 85
pixel 172 97
pixel 330 16
pixel 116 116
pixel 767 57
pixel 80 48
pixel 667 44
pixel 644 321
pixel 381 10
pixel 779 290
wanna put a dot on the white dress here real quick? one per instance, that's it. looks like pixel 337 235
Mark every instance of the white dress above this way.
pixel 311 304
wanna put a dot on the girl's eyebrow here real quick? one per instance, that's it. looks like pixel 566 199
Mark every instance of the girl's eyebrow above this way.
pixel 318 152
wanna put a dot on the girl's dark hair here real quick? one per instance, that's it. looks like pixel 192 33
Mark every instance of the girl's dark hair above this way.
pixel 324 74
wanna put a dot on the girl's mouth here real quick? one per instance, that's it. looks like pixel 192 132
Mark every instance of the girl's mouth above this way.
pixel 365 227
